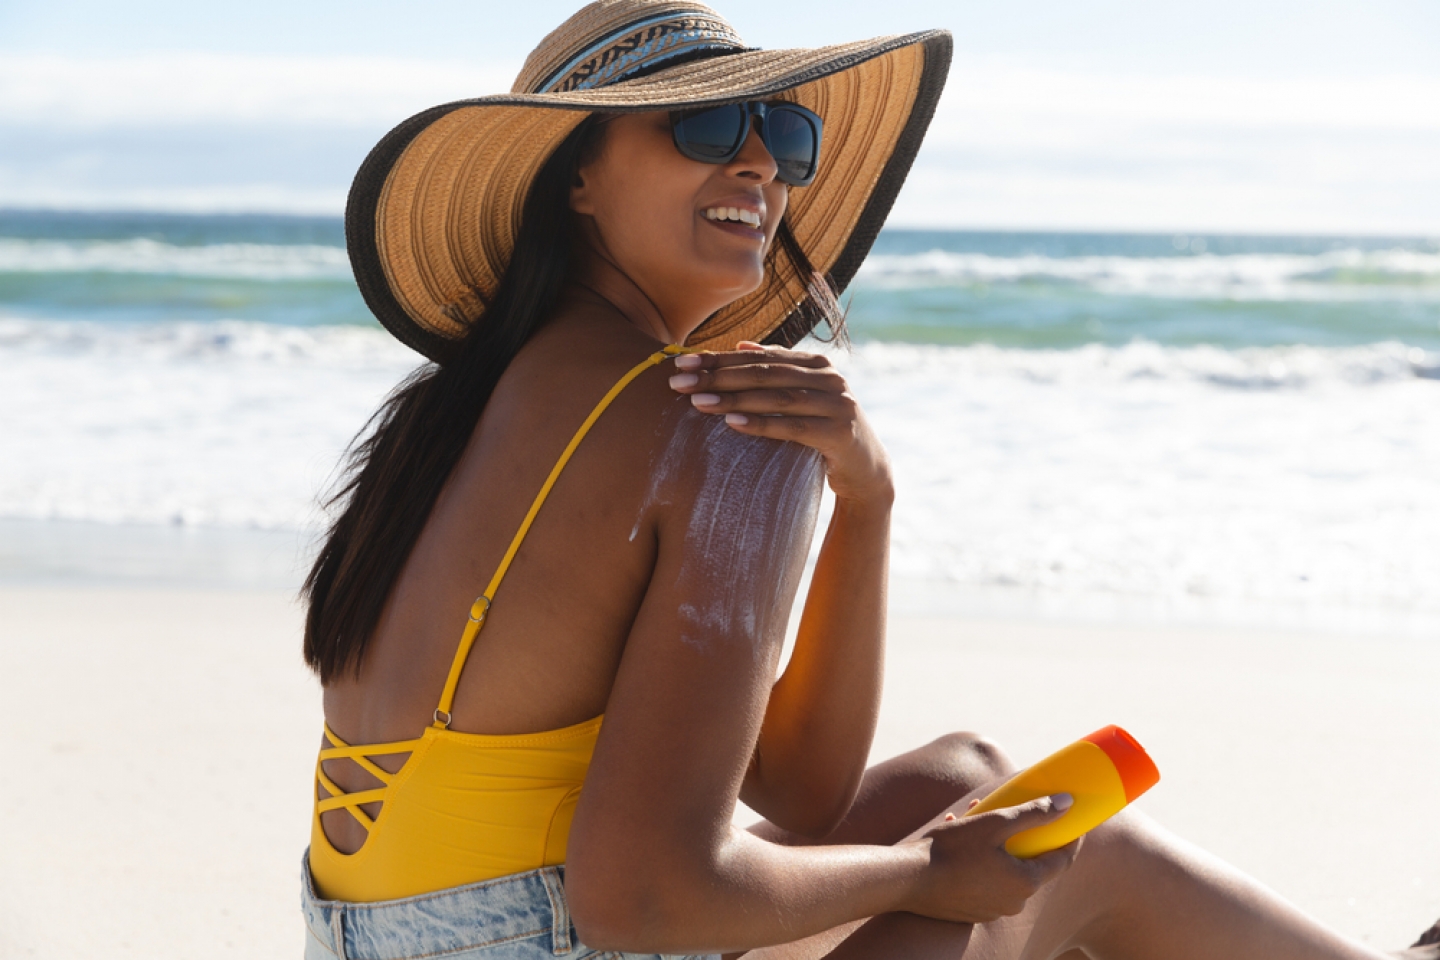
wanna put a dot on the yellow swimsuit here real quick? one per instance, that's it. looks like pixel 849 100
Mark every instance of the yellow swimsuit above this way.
pixel 464 807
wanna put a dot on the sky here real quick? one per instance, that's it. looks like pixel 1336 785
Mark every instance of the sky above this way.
pixel 1226 116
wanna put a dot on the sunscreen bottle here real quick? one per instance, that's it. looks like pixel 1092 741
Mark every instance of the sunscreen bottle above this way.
pixel 1103 772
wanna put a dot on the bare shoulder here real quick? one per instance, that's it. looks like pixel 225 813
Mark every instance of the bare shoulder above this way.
pixel 705 487
pixel 651 430
pixel 734 516
pixel 728 481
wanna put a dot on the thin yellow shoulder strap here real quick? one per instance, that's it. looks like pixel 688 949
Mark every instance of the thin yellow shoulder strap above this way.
pixel 481 606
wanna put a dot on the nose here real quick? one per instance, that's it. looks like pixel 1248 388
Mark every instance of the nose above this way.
pixel 754 162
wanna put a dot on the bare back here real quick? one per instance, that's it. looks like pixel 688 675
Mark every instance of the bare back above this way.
pixel 553 640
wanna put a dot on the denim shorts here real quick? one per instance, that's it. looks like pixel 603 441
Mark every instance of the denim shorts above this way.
pixel 520 917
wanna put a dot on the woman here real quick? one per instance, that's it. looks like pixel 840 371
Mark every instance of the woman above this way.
pixel 550 250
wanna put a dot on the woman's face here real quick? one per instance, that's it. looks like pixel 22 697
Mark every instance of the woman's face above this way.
pixel 662 219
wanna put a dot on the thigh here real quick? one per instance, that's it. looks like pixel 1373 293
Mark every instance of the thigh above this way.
pixel 902 794
pixel 1044 930
pixel 899 799
pixel 920 938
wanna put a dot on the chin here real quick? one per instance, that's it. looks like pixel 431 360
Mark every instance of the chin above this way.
pixel 737 282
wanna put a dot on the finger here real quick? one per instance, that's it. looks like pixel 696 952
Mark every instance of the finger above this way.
pixel 1035 813
pixel 973 804
pixel 810 431
pixel 1050 865
pixel 752 354
pixel 759 376
pixel 782 402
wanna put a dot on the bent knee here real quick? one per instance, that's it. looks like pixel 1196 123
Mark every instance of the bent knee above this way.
pixel 974 758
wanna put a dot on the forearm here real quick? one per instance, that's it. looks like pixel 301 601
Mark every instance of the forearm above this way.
pixel 821 716
pixel 748 894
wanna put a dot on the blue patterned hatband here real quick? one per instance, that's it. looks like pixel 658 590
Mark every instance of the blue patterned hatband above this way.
pixel 636 46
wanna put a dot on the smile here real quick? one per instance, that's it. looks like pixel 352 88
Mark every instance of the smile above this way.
pixel 733 214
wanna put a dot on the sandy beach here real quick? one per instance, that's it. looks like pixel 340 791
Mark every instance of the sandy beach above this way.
pixel 140 819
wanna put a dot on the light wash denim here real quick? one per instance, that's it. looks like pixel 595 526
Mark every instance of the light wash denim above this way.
pixel 519 917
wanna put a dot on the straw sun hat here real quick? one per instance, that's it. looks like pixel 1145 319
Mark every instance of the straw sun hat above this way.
pixel 434 211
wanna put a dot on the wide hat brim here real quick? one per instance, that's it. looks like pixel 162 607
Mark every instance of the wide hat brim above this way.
pixel 434 210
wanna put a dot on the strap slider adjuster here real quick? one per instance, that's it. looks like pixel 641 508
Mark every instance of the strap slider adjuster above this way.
pixel 478 612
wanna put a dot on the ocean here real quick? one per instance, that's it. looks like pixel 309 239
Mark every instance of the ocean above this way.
pixel 1216 425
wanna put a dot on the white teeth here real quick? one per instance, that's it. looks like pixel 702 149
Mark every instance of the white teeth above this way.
pixel 733 213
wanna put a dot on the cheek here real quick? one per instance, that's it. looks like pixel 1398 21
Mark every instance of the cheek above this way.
pixel 777 201
pixel 647 203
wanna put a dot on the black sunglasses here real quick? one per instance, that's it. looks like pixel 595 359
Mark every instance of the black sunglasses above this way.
pixel 789 131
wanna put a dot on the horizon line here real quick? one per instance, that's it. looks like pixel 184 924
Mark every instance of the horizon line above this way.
pixel 1192 231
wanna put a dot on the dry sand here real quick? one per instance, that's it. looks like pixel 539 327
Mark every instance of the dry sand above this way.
pixel 141 816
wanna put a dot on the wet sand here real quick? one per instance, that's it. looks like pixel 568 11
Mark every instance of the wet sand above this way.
pixel 140 818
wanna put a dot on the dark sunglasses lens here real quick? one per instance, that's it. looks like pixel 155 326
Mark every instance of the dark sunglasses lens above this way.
pixel 711 135
pixel 794 143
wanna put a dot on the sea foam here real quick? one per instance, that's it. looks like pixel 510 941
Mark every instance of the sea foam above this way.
pixel 248 261
pixel 1332 275
pixel 1289 473
pixel 1269 473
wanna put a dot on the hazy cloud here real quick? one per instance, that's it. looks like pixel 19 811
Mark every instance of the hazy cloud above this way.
pixel 1011 145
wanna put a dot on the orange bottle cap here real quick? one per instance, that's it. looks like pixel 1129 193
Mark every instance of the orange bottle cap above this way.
pixel 1138 772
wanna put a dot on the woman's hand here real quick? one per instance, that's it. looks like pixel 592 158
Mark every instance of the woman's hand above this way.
pixel 789 395
pixel 972 879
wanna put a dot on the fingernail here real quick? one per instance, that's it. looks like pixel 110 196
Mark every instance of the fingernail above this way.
pixel 1062 801
pixel 688 361
pixel 704 399
pixel 683 380
pixel 736 419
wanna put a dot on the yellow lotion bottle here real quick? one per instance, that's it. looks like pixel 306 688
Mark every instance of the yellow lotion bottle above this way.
pixel 1103 772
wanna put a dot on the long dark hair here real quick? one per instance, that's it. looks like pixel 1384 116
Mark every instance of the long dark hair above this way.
pixel 398 464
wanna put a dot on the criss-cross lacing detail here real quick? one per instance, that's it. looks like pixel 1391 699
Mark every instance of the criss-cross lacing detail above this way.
pixel 360 756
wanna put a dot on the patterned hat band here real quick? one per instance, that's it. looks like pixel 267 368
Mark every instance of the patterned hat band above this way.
pixel 638 47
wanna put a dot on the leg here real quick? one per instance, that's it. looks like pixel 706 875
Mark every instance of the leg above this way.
pixel 1135 892
pixel 1138 891
pixel 898 796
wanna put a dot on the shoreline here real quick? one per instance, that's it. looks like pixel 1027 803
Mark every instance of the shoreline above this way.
pixel 62 554
pixel 1272 745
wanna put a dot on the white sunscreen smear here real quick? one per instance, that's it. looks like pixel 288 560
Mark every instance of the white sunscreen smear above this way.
pixel 753 516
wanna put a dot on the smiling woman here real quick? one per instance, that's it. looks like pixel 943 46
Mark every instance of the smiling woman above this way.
pixel 608 267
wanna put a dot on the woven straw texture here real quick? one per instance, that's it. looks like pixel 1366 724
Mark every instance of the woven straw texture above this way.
pixel 435 208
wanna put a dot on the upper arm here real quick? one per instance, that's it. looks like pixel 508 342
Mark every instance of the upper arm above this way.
pixel 734 516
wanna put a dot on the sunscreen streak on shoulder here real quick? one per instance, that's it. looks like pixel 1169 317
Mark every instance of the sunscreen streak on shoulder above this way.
pixel 1103 772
